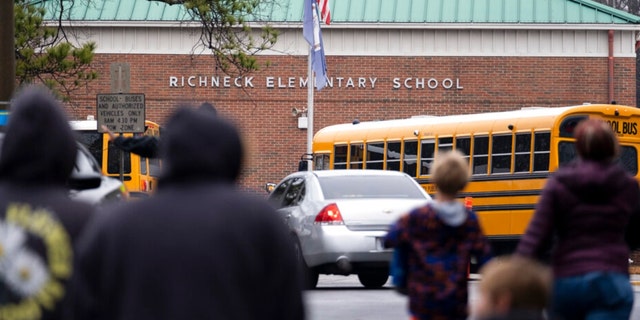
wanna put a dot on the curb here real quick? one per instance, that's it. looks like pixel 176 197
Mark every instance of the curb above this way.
pixel 634 279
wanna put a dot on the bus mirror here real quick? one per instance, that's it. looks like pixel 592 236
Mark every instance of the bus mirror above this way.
pixel 303 165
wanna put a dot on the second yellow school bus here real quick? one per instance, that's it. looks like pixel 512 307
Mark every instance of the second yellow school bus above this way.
pixel 510 154
pixel 139 174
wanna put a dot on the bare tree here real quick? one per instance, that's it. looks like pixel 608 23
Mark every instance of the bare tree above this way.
pixel 631 6
pixel 227 29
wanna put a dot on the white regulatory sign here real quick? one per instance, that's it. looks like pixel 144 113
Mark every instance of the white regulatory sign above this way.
pixel 121 112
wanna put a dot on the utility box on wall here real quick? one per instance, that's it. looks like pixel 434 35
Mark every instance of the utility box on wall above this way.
pixel 303 122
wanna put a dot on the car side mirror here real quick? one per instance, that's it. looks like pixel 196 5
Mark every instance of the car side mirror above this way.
pixel 84 182
pixel 269 187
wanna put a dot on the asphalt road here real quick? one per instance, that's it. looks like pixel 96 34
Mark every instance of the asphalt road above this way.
pixel 343 298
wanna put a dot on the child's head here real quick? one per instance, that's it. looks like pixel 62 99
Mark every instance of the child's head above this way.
pixel 512 284
pixel 450 172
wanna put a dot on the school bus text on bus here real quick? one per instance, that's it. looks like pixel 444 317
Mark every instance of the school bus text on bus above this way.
pixel 624 127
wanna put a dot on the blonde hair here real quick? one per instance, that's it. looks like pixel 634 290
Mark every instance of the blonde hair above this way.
pixel 526 281
pixel 450 172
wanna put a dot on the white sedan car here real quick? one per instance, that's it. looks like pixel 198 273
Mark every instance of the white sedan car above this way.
pixel 338 219
pixel 88 184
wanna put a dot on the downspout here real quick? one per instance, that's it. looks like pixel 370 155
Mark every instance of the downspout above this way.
pixel 636 51
pixel 611 100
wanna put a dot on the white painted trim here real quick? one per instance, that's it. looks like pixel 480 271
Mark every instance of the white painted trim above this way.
pixel 379 25
pixel 379 42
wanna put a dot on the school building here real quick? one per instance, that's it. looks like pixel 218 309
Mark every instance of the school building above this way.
pixel 386 59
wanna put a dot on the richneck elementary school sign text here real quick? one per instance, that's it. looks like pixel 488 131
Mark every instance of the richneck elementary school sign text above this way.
pixel 301 82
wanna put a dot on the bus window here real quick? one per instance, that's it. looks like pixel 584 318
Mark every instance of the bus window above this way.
pixel 523 152
pixel 355 157
pixel 154 167
pixel 321 162
pixel 143 165
pixel 463 144
pixel 445 144
pixel 566 152
pixel 393 156
pixel 569 124
pixel 501 153
pixel 541 149
pixel 409 158
pixel 113 161
pixel 427 149
pixel 375 155
pixel 628 158
pixel 340 157
pixel 480 155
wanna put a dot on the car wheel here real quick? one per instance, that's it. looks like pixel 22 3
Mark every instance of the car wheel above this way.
pixel 312 277
pixel 373 279
pixel 309 275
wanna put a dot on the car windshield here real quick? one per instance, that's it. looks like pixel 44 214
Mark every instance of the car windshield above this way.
pixel 91 139
pixel 348 187
pixel 85 163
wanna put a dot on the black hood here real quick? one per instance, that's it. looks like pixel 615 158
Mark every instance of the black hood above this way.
pixel 199 146
pixel 39 146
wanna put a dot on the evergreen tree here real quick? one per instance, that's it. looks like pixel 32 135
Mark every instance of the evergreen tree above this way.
pixel 44 53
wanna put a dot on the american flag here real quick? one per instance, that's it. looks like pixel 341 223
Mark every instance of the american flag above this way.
pixel 325 12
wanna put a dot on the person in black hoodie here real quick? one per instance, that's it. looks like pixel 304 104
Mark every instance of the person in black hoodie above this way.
pixel 199 248
pixel 38 221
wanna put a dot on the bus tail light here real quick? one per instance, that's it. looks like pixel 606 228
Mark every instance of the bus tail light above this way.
pixel 329 215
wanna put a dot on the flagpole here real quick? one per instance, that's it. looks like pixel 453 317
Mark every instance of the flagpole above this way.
pixel 309 112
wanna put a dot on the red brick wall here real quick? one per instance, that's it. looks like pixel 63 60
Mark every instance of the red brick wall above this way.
pixel 274 142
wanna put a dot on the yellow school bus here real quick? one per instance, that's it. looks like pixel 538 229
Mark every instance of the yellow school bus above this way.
pixel 510 154
pixel 139 174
